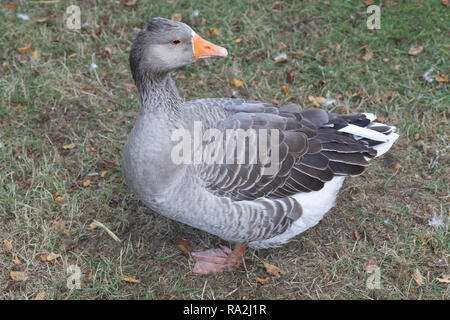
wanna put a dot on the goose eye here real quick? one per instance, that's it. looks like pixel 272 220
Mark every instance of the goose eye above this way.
pixel 176 42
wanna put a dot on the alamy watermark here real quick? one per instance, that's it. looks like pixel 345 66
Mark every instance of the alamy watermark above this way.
pixel 374 280
pixel 374 20
pixel 232 146
pixel 73 17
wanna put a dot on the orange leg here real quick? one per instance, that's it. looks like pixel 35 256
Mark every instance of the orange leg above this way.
pixel 219 260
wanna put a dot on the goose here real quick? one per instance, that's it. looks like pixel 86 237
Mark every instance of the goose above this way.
pixel 173 162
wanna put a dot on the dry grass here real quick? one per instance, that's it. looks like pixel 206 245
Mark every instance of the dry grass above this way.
pixel 382 215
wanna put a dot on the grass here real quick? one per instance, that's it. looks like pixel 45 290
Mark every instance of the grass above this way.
pixel 48 103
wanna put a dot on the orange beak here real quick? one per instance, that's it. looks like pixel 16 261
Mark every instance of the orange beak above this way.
pixel 204 49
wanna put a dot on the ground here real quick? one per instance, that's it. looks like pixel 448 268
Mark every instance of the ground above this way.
pixel 62 119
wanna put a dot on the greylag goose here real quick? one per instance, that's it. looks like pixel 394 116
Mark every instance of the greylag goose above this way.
pixel 303 156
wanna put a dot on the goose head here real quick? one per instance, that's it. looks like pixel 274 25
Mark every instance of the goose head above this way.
pixel 165 45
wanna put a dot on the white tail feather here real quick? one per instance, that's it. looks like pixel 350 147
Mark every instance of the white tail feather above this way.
pixel 364 133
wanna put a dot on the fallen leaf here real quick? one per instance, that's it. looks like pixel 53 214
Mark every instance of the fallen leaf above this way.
pixel 352 218
pixel 87 183
pixel 35 55
pixel 104 173
pixel 89 278
pixel 368 55
pixel 282 46
pixel 418 277
pixel 415 50
pixel 238 40
pixel 51 257
pixel 273 270
pixel 263 281
pixel 15 259
pixel 25 49
pixel 441 78
pixel 7 244
pixel 60 200
pixel 109 164
pixel 444 2
pixel 129 85
pixel 11 6
pixel 237 83
pixel 367 3
pixel 397 166
pixel 176 17
pixel 45 19
pixel 316 101
pixel 40 296
pixel 356 235
pixel 445 278
pixel 389 94
pixel 326 274
pixel 119 179
pixel 107 52
pixel 69 146
pixel 286 90
pixel 93 226
pixel 130 279
pixel 18 275
pixel 184 246
pixel 129 3
pixel 213 32
pixel 290 76
pixel 370 262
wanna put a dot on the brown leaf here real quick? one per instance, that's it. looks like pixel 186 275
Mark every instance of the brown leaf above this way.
pixel 441 78
pixel 326 274
pixel 273 270
pixel 25 49
pixel 60 200
pixel 109 164
pixel 418 277
pixel 282 46
pixel 87 183
pixel 128 3
pixel 290 76
pixel 104 173
pixel 130 279
pixel 35 55
pixel 18 275
pixel 367 3
pixel 397 166
pixel 176 17
pixel 316 101
pixel 237 83
pixel 238 40
pixel 184 246
pixel 286 90
pixel 7 244
pixel 15 259
pixel 445 278
pixel 107 52
pixel 356 235
pixel 263 281
pixel 91 149
pixel 415 50
pixel 45 19
pixel 51 257
pixel 11 6
pixel 89 278
pixel 368 55
pixel 213 32
pixel 129 85
pixel 69 146
pixel 93 226
pixel 40 296
pixel 444 2
pixel 370 262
